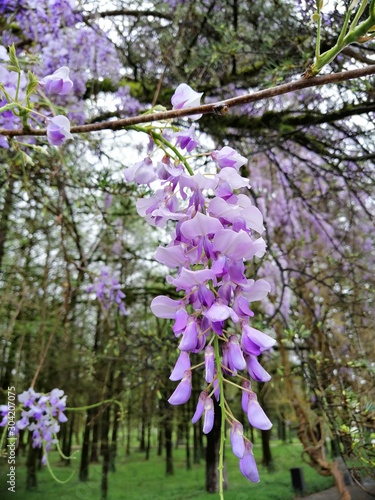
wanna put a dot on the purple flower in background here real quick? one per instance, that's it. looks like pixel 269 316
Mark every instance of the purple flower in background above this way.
pixel 58 130
pixel 185 97
pixel 108 290
pixel 4 413
pixel 58 83
pixel 41 415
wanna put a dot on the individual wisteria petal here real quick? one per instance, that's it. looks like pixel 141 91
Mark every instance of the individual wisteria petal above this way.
pixel 256 415
pixel 237 439
pixel 185 97
pixel 228 157
pixel 142 172
pixel 172 256
pixel 58 83
pixel 209 363
pixel 218 312
pixel 235 355
pixel 187 139
pixel 245 395
pixel 209 416
pixel 248 466
pixel 233 245
pixel 181 366
pixel 233 178
pixel 189 337
pixel 255 290
pixel 165 307
pixel 256 370
pixel 200 225
pixel 181 319
pixel 200 407
pixel 188 279
pixel 182 392
pixel 58 130
pixel 254 341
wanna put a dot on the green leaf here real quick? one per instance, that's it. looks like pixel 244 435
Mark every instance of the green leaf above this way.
pixel 14 66
pixel 32 83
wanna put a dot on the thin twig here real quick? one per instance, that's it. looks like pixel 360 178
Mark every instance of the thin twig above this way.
pixel 219 108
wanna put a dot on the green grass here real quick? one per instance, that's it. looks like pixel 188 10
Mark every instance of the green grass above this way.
pixel 137 479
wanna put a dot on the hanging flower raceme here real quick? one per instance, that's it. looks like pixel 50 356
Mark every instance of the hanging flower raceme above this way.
pixel 41 415
pixel 108 291
pixel 217 231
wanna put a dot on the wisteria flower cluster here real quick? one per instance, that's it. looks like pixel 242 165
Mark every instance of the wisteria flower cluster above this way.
pixel 16 90
pixel 217 229
pixel 108 291
pixel 41 414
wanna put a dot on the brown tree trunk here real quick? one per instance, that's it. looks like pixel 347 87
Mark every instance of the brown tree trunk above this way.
pixel 212 454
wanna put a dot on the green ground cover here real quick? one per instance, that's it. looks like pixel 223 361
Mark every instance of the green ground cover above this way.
pixel 137 479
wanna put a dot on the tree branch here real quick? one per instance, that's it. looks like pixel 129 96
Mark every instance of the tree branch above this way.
pixel 219 108
pixel 129 12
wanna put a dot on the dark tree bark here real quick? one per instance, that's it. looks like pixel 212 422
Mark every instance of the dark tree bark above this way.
pixel 142 443
pixel 67 442
pixel 187 445
pixel 94 458
pixel 84 467
pixel 148 446
pixel 128 425
pixel 113 449
pixel 197 450
pixel 160 441
pixel 212 454
pixel 4 219
pixel 168 444
pixel 266 449
pixel 31 464
pixel 281 429
pixel 105 451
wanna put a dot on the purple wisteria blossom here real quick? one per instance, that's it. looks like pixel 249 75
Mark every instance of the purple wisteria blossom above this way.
pixel 4 410
pixel 42 414
pixel 228 157
pixel 187 139
pixel 58 83
pixel 217 231
pixel 185 97
pixel 58 130
pixel 108 291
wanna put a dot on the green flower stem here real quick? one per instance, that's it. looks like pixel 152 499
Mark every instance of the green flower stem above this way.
pixel 318 29
pixel 53 474
pixel 3 435
pixel 95 405
pixel 8 107
pixel 344 40
pixel 222 406
pixel 61 453
pixel 164 141
pixel 18 86
pixel 358 15
pixel 344 29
